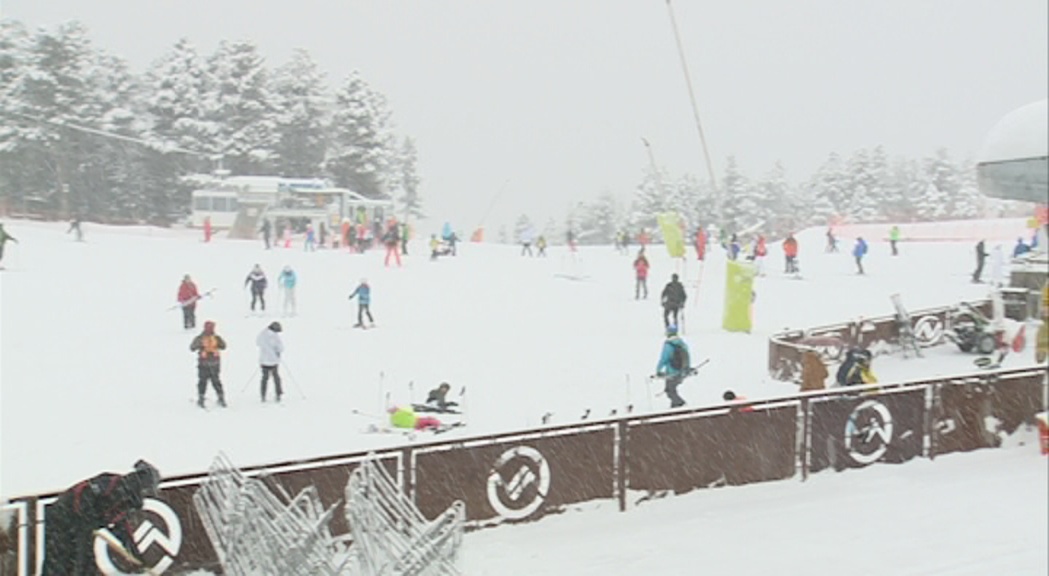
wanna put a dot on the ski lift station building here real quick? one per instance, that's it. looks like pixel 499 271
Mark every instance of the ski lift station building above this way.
pixel 240 203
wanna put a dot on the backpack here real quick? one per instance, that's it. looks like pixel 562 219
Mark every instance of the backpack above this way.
pixel 679 358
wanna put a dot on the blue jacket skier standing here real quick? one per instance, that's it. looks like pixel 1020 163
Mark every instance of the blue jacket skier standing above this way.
pixel 859 251
pixel 363 293
pixel 674 364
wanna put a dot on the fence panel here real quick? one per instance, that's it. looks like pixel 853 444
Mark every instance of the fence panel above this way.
pixel 703 450
pixel 513 479
pixel 976 414
pixel 856 431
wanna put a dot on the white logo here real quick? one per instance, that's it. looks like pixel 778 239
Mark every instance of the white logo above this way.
pixel 506 496
pixel 868 432
pixel 928 331
pixel 167 536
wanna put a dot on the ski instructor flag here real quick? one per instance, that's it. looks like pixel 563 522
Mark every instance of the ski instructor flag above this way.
pixel 670 225
pixel 739 285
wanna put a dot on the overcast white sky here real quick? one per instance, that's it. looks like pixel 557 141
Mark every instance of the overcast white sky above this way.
pixel 552 97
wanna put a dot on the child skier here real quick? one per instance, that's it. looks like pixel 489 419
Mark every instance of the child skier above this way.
pixel 363 293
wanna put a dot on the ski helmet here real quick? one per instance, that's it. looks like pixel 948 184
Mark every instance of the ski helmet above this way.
pixel 672 330
pixel 275 326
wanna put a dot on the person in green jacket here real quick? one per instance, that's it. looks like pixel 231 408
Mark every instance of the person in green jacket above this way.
pixel 4 237
pixel 405 418
pixel 894 237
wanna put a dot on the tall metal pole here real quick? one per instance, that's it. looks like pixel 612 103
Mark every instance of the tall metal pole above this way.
pixel 695 110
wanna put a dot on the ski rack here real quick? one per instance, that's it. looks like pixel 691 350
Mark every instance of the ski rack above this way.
pixel 391 536
pixel 258 530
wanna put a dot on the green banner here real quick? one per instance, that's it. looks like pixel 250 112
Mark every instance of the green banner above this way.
pixel 739 285
pixel 673 237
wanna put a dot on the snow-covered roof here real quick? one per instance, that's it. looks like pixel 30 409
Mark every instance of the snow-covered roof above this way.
pixel 1020 134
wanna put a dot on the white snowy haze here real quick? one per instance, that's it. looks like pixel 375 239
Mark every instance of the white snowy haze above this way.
pixel 550 99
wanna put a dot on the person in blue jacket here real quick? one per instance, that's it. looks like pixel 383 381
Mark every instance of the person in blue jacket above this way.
pixel 1020 249
pixel 363 293
pixel 858 252
pixel 674 365
pixel 286 281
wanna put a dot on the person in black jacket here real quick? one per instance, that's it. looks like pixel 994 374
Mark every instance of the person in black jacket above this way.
pixel 109 501
pixel 673 300
pixel 257 279
pixel 438 398
pixel 208 346
pixel 981 257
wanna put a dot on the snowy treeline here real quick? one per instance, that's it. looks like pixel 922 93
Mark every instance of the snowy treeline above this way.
pixel 189 109
pixel 865 187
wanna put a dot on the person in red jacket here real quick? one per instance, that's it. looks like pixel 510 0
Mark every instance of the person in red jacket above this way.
pixel 641 267
pixel 701 244
pixel 790 253
pixel 187 299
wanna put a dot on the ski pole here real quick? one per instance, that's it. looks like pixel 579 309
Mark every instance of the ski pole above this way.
pixel 250 378
pixel 292 378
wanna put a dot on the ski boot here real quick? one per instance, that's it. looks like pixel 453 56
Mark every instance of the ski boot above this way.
pixel 222 402
pixel 200 401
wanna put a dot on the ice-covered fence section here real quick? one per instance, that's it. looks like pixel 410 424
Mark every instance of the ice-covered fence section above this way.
pixel 257 528
pixel 391 537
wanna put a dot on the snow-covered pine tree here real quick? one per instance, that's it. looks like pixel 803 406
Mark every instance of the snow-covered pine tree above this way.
pixel 522 226
pixel 742 202
pixel 942 186
pixel 969 203
pixel 650 199
pixel 178 88
pixel 408 180
pixel 360 154
pixel 301 97
pixel 600 220
pixel 776 210
pixel 829 187
pixel 243 108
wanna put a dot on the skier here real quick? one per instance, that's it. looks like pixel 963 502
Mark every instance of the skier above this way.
pixel 405 418
pixel 856 369
pixel 257 279
pixel 322 236
pixel 438 398
pixel 270 349
pixel 207 229
pixel 673 299
pixel 760 251
pixel 106 501
pixel 734 247
pixel 790 254
pixel 540 245
pixel 363 292
pixel 435 247
pixel 894 237
pixel 311 239
pixel 265 230
pixel 4 237
pixel 208 345
pixel 187 299
pixel 526 241
pixel 832 242
pixel 286 281
pixel 452 240
pixel 733 398
pixel 404 238
pixel 701 244
pixel 74 226
pixel 673 365
pixel 641 267
pixel 859 250
pixel 1020 249
pixel 981 257
pixel 391 238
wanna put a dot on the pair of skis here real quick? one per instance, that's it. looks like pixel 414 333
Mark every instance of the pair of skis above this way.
pixel 193 300
pixel 380 427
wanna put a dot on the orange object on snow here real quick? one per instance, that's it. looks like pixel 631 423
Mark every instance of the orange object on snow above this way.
pixel 1043 430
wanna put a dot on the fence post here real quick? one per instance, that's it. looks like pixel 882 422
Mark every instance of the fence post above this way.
pixel 804 444
pixel 621 452
pixel 932 413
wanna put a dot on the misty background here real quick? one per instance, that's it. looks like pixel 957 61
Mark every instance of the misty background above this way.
pixel 545 102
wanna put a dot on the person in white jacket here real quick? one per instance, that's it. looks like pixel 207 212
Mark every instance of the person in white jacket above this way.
pixel 270 349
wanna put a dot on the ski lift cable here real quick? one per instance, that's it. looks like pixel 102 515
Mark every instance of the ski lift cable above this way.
pixel 107 134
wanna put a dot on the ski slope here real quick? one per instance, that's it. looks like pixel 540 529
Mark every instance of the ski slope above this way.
pixel 95 370
pixel 974 514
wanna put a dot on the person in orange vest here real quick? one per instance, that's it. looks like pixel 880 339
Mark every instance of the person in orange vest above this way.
pixel 208 346
pixel 790 253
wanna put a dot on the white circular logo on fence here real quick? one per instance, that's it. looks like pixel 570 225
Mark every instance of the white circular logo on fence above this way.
pixel 868 432
pixel 167 535
pixel 518 483
pixel 928 330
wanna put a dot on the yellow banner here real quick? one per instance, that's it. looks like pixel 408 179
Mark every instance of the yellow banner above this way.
pixel 673 236
pixel 739 286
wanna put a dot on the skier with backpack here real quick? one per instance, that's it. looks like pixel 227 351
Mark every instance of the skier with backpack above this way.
pixel 363 293
pixel 257 279
pixel 674 365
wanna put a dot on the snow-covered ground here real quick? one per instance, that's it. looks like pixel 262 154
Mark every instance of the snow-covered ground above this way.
pixel 978 513
pixel 95 371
